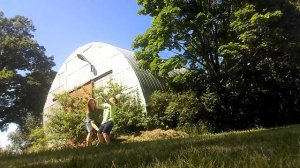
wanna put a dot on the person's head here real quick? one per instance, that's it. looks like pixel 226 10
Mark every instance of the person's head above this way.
pixel 91 104
pixel 113 100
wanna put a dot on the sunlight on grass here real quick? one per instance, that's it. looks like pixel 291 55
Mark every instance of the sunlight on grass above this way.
pixel 277 147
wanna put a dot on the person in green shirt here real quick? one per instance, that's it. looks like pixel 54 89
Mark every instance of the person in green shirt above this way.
pixel 107 123
pixel 92 120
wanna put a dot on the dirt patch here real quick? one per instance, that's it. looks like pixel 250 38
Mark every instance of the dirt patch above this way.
pixel 152 135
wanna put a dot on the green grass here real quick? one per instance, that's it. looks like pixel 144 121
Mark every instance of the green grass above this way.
pixel 277 147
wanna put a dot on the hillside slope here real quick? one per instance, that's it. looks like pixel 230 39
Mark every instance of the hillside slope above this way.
pixel 277 147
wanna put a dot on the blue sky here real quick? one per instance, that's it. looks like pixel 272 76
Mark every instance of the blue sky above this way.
pixel 64 25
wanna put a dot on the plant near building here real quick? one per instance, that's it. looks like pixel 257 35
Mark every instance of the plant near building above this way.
pixel 169 110
pixel 130 116
pixel 66 125
pixel 159 102
pixel 38 140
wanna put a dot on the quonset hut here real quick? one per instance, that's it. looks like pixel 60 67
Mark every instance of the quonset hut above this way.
pixel 93 65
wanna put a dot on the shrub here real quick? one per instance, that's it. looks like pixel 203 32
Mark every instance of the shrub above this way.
pixel 159 118
pixel 38 140
pixel 174 110
pixel 66 124
pixel 130 116
pixel 20 138
pixel 66 127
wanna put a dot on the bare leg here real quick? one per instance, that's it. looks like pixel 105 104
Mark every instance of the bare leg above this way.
pixel 100 138
pixel 89 138
pixel 106 137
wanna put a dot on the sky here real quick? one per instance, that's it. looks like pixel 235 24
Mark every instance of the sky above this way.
pixel 62 26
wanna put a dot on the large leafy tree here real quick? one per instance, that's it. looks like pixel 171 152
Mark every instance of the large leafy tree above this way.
pixel 190 33
pixel 245 52
pixel 25 71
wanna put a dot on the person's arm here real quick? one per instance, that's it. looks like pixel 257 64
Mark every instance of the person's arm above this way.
pixel 108 100
pixel 94 125
pixel 103 97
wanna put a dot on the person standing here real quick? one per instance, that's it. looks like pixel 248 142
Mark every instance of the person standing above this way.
pixel 107 123
pixel 92 120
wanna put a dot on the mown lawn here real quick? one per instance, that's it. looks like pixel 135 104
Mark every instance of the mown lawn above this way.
pixel 277 147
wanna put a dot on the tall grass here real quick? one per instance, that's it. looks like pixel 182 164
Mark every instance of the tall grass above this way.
pixel 277 147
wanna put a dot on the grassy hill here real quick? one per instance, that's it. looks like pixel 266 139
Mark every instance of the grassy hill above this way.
pixel 277 147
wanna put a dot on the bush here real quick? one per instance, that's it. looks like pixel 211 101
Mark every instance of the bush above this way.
pixel 130 116
pixel 20 138
pixel 38 140
pixel 174 110
pixel 159 102
pixel 66 125
pixel 66 128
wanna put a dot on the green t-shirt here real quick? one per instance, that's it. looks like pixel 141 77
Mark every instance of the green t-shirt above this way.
pixel 93 115
pixel 108 112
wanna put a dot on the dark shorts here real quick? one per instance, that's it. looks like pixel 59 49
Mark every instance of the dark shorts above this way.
pixel 106 127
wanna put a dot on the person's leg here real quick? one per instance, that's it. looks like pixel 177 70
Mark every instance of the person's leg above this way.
pixel 106 131
pixel 89 138
pixel 106 137
pixel 99 134
pixel 100 137
pixel 90 134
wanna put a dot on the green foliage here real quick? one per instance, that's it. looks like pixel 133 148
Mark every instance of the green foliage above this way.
pixel 38 141
pixel 130 116
pixel 186 106
pixel 4 152
pixel 66 125
pixel 174 110
pixel 20 138
pixel 25 71
pixel 157 110
pixel 19 141
pixel 111 89
pixel 189 31
pixel 72 104
pixel 210 101
pixel 66 128
pixel 261 67
pixel 5 74
pixel 244 55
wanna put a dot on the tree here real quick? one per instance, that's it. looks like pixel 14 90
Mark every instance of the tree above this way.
pixel 25 71
pixel 191 31
pixel 244 52
pixel 264 71
pixel 20 138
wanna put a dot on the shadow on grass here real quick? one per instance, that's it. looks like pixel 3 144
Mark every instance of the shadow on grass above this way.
pixel 231 148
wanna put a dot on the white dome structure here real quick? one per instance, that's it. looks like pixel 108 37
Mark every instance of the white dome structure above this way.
pixel 107 62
